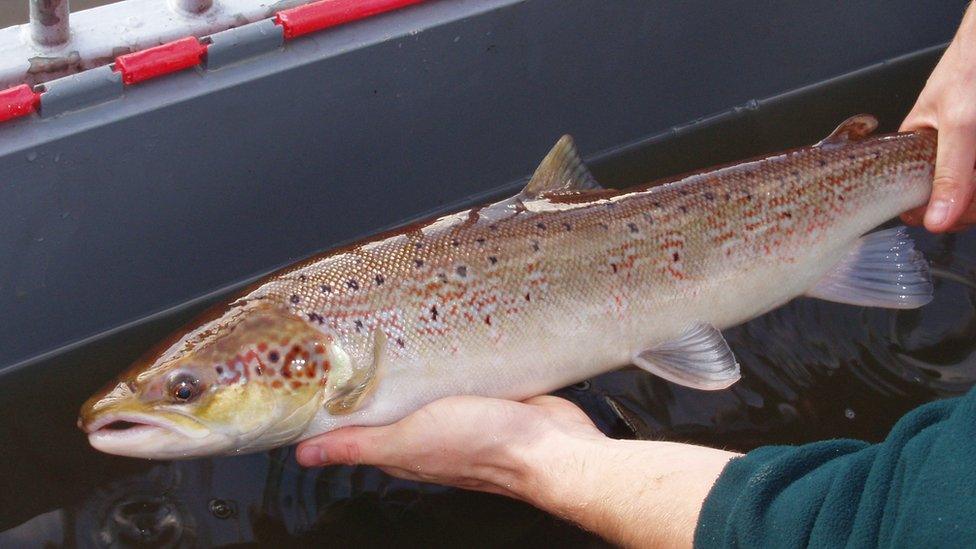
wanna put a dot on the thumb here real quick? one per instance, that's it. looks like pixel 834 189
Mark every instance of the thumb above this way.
pixel 952 188
pixel 349 446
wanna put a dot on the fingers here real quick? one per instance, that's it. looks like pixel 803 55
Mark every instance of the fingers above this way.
pixel 350 445
pixel 919 118
pixel 952 188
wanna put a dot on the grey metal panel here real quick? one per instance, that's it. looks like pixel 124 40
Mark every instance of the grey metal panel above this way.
pixel 202 178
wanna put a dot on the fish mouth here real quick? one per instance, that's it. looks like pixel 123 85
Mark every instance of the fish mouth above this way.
pixel 150 436
pixel 128 424
pixel 125 433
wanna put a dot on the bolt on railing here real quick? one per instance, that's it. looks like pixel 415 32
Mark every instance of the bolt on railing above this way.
pixel 193 6
pixel 49 22
pixel 49 18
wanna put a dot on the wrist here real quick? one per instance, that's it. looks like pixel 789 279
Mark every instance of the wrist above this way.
pixel 561 472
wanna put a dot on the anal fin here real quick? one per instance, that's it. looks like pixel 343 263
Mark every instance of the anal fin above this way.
pixel 700 358
pixel 883 270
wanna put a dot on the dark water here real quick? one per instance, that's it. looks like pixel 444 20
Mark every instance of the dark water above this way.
pixel 811 370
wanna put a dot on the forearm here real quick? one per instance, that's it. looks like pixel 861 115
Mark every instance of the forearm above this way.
pixel 633 493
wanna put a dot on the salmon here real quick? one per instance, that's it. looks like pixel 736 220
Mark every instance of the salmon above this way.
pixel 564 281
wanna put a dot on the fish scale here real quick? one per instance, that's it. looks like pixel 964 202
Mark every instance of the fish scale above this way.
pixel 566 281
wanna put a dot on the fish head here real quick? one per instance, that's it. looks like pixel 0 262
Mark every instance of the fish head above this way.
pixel 250 380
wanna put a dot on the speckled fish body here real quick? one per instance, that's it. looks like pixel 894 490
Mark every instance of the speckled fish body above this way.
pixel 541 291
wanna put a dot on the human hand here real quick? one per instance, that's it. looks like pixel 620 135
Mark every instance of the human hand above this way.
pixel 948 104
pixel 469 442
pixel 544 451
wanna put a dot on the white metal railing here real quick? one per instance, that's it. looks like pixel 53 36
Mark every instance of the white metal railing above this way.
pixel 55 42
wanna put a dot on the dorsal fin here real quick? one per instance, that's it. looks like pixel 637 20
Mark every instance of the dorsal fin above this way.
pixel 560 171
pixel 854 128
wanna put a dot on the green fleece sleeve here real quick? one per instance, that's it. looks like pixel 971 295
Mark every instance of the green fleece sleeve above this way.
pixel 915 489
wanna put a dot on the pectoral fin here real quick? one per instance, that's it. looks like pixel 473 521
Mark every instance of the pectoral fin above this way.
pixel 348 394
pixel 699 358
pixel 883 270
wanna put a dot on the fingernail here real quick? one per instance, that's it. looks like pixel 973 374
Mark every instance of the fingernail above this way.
pixel 312 455
pixel 937 213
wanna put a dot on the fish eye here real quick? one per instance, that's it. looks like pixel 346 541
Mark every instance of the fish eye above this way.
pixel 185 388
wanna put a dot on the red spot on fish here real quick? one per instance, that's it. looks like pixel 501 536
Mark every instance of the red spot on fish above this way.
pixel 262 347
pixel 276 384
pixel 286 369
pixel 296 384
pixel 319 348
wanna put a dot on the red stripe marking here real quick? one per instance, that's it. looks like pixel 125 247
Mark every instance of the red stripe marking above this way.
pixel 157 61
pixel 18 101
pixel 330 13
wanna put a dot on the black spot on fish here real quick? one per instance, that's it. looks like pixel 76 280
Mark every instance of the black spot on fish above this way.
pixel 528 297
pixel 676 256
pixel 851 157
pixel 493 227
pixel 822 162
pixel 273 356
pixel 302 278
pixel 380 280
pixel 315 317
pixel 418 262
pixel 787 215
pixel 488 320
pixel 399 342
pixel 840 197
pixel 682 192
pixel 442 277
pixel 877 154
pixel 684 209
pixel 359 325
pixel 748 197
pixel 614 267
pixel 795 173
pixel 568 226
pixel 326 289
pixel 462 271
pixel 294 298
pixel 604 226
pixel 480 240
pixel 633 227
pixel 727 197
pixel 492 259
pixel 709 196
pixel 455 242
pixel 656 204
pixel 418 245
pixel 535 245
pixel 541 225
pixel 433 312
pixel 352 284
pixel 219 369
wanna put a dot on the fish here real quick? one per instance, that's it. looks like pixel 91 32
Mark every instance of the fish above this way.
pixel 562 282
